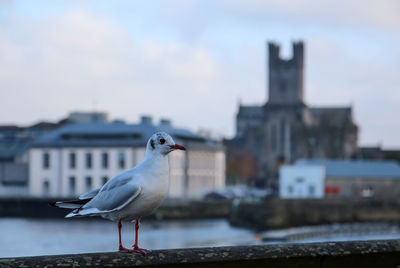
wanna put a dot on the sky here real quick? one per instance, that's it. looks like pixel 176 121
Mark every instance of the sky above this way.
pixel 194 61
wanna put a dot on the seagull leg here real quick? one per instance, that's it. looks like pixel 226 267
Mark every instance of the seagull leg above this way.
pixel 121 247
pixel 136 248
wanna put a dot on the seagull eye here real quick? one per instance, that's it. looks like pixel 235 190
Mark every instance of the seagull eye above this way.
pixel 162 141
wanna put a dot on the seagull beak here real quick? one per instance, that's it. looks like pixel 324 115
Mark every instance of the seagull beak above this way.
pixel 177 147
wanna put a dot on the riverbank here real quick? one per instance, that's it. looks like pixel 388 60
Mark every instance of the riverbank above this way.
pixel 333 232
pixel 341 254
pixel 275 213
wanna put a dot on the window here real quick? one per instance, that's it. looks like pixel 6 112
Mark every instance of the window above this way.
pixel 121 160
pixel 104 160
pixel 332 190
pixel 273 140
pixel 72 185
pixel 367 191
pixel 88 160
pixel 311 190
pixel 46 160
pixel 282 135
pixel 299 180
pixel 327 190
pixel 46 188
pixel 282 85
pixel 88 183
pixel 335 190
pixel 299 116
pixel 290 189
pixel 104 179
pixel 72 160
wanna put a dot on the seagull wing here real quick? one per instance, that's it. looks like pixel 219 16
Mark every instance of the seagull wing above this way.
pixel 114 195
pixel 77 203
pixel 89 194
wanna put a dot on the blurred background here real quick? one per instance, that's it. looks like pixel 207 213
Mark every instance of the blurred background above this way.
pixel 288 111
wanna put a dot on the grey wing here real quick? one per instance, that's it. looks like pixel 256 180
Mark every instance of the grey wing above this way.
pixel 90 194
pixel 115 194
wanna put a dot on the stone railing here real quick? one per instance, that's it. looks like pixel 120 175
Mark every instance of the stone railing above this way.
pixel 339 254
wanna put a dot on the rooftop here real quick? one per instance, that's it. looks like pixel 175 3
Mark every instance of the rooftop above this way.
pixel 355 168
pixel 115 134
pixel 250 111
pixel 332 115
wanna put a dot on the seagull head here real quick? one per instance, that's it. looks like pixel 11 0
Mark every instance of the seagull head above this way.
pixel 163 143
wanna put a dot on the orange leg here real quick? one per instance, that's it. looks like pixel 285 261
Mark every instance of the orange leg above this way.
pixel 136 247
pixel 121 247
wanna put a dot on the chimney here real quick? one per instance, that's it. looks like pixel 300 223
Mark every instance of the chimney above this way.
pixel 146 120
pixel 165 122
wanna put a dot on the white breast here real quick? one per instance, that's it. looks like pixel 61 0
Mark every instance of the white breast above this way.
pixel 154 186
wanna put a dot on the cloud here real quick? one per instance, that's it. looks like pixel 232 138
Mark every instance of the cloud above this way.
pixel 51 60
pixel 337 77
pixel 192 61
pixel 356 13
pixel 55 64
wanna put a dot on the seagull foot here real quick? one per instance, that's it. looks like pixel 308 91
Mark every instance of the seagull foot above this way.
pixel 125 250
pixel 142 251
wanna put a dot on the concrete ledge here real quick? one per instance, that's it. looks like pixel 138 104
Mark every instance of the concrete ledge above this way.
pixel 384 253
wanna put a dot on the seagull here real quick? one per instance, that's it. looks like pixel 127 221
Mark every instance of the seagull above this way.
pixel 131 194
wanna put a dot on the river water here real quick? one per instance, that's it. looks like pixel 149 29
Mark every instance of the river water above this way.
pixel 29 237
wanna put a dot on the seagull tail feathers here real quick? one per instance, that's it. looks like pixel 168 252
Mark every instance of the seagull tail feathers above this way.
pixel 71 214
pixel 82 212
pixel 76 205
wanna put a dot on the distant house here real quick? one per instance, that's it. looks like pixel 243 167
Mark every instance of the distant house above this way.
pixel 301 182
pixel 340 179
pixel 79 157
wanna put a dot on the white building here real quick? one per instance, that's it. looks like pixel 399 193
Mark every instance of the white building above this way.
pixel 79 157
pixel 301 181
pixel 319 178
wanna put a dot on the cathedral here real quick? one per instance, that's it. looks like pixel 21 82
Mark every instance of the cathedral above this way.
pixel 285 128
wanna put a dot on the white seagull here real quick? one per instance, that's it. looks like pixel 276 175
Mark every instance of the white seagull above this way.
pixel 131 194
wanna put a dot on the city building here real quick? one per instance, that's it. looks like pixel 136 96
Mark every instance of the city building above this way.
pixel 313 178
pixel 378 153
pixel 13 179
pixel 15 140
pixel 83 156
pixel 14 143
pixel 285 128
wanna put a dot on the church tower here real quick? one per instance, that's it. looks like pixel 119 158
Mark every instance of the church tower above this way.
pixel 286 77
pixel 285 129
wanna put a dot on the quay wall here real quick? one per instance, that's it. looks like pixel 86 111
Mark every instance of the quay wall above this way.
pixel 275 213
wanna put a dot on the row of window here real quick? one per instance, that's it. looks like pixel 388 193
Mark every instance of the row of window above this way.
pixel 72 184
pixel 335 190
pixel 72 162
pixel 311 189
